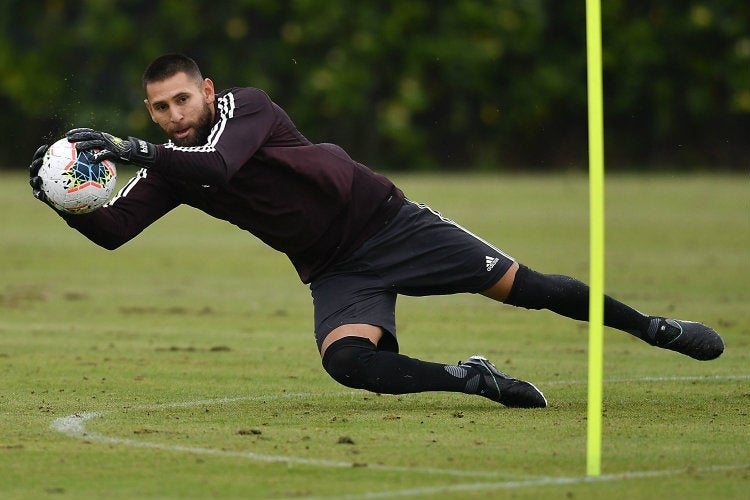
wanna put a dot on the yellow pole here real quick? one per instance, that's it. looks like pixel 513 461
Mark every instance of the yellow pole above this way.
pixel 596 210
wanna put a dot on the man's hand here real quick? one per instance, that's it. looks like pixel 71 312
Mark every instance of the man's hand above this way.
pixel 130 150
pixel 34 180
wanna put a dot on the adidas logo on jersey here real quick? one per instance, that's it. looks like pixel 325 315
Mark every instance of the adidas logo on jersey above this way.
pixel 491 261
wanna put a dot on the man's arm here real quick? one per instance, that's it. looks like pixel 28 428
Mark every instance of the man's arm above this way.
pixel 245 121
pixel 144 199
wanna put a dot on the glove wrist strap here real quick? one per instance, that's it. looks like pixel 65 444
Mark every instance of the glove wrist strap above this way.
pixel 142 152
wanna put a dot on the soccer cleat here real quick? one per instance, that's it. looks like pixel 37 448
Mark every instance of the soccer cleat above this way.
pixel 504 389
pixel 687 337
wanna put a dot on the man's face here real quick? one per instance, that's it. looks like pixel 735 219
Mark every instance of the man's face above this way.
pixel 182 107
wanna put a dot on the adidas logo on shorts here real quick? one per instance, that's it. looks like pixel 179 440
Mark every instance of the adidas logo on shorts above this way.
pixel 491 261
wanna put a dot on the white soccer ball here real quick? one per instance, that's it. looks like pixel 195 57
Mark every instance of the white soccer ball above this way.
pixel 73 182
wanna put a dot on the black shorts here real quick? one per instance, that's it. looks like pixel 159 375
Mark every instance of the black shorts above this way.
pixel 418 253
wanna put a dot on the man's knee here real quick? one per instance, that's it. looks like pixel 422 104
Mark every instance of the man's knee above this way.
pixel 360 330
pixel 562 294
pixel 346 361
pixel 534 290
pixel 526 288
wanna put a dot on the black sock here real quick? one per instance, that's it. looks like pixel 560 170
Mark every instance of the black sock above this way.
pixel 570 297
pixel 356 362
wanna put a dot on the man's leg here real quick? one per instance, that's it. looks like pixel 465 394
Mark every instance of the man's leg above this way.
pixel 352 358
pixel 569 297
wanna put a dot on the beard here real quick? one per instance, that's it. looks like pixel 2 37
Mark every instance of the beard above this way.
pixel 202 129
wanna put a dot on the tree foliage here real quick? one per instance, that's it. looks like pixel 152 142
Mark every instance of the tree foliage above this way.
pixel 405 84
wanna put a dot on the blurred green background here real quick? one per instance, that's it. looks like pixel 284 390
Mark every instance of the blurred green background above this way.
pixel 403 85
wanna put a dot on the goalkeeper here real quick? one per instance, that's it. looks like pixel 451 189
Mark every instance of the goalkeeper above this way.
pixel 350 233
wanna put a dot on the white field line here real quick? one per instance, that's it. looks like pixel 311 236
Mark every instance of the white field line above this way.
pixel 686 378
pixel 75 426
pixel 536 482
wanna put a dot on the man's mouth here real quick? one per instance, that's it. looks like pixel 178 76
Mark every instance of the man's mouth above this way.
pixel 181 134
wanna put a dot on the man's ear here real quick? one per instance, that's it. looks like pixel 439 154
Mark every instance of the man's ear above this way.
pixel 208 91
pixel 150 110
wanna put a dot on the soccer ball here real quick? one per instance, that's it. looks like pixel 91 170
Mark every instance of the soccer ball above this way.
pixel 73 182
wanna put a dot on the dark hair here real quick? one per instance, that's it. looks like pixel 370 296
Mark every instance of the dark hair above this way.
pixel 169 65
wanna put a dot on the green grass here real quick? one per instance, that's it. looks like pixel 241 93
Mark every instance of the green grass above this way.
pixel 193 345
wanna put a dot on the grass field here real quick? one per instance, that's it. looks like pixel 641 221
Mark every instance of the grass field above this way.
pixel 183 365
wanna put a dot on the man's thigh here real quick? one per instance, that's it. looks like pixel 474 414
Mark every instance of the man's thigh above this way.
pixel 350 299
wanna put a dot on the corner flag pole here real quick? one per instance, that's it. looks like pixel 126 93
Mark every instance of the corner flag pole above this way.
pixel 596 214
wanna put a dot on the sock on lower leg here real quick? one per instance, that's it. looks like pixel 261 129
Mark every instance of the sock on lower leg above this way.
pixel 356 362
pixel 570 297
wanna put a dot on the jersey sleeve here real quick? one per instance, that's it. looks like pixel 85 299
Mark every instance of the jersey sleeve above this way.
pixel 144 199
pixel 245 119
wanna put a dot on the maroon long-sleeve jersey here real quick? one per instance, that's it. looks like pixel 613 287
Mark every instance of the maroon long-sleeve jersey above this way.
pixel 257 171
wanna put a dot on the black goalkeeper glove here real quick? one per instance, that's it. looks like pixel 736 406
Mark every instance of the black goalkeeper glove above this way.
pixel 34 180
pixel 130 150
